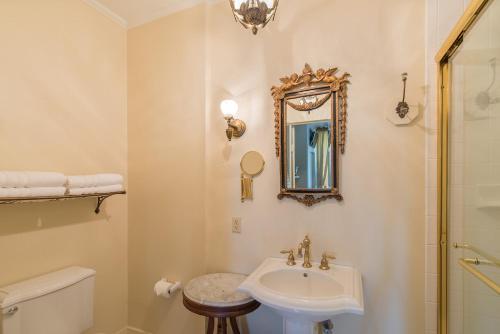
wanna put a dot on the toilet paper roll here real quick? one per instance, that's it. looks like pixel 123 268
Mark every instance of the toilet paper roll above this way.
pixel 165 289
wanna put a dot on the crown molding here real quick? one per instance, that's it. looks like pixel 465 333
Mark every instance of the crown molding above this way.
pixel 162 12
pixel 107 12
pixel 149 16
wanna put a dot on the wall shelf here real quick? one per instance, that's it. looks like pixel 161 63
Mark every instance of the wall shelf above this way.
pixel 100 199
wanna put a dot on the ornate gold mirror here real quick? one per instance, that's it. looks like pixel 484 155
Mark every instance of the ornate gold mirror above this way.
pixel 310 127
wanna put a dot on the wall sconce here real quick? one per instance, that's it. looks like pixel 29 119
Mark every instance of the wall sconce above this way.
pixel 235 127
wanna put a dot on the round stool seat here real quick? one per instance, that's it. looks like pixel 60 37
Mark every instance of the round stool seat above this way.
pixel 216 296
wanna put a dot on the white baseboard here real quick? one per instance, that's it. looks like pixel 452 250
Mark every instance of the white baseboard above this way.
pixel 131 330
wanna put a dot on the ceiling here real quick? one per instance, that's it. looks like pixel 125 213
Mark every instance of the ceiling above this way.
pixel 136 12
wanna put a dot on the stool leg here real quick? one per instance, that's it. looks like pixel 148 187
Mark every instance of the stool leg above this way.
pixel 210 327
pixel 234 325
pixel 222 325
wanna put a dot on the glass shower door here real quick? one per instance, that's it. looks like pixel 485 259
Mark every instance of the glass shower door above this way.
pixel 473 189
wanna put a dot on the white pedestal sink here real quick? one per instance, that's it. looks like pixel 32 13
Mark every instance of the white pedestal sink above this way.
pixel 305 297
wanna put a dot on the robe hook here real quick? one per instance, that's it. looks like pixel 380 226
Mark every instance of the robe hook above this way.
pixel 402 109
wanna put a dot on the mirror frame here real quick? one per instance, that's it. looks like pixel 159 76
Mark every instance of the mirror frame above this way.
pixel 322 81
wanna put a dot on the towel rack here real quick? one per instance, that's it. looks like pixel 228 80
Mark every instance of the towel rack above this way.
pixel 467 264
pixel 100 199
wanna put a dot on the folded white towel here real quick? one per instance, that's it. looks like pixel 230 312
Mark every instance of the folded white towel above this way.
pixel 91 181
pixel 32 192
pixel 95 190
pixel 31 179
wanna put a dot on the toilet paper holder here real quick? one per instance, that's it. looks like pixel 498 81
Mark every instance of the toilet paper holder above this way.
pixel 166 288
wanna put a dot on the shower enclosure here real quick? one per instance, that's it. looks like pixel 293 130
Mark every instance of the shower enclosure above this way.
pixel 469 199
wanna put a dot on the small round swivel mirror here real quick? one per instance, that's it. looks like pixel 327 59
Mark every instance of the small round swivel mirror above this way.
pixel 252 164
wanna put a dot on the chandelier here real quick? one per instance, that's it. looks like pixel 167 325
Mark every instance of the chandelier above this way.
pixel 254 14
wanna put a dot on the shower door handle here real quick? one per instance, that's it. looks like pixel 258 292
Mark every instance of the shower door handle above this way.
pixel 494 261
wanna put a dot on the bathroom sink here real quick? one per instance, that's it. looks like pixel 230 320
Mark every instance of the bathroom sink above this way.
pixel 302 284
pixel 303 296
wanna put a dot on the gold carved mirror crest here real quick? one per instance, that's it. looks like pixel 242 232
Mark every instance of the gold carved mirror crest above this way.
pixel 310 112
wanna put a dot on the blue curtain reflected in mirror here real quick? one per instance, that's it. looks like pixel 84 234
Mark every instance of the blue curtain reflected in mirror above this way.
pixel 310 156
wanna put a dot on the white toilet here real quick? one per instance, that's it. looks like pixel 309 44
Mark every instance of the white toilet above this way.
pixel 57 303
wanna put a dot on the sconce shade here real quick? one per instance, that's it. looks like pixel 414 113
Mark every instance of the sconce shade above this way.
pixel 229 108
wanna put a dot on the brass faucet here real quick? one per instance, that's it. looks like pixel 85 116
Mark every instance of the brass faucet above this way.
pixel 305 247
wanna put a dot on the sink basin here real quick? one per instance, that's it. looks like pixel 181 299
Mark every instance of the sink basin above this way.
pixel 303 296
pixel 302 284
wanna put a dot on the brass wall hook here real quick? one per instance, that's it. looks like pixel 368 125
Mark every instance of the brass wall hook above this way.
pixel 402 109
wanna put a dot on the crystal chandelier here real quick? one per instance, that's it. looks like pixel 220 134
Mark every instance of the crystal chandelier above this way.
pixel 254 14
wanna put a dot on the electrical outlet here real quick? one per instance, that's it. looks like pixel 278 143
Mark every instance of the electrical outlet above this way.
pixel 236 225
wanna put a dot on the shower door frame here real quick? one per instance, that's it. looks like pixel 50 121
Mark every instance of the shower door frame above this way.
pixel 442 58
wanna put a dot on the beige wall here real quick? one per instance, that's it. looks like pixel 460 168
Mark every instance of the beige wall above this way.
pixel 64 66
pixel 166 161
pixel 379 227
pixel 63 108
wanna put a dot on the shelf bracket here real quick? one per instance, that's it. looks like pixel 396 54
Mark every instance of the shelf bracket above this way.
pixel 100 200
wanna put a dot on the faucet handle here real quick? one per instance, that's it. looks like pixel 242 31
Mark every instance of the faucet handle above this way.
pixel 324 261
pixel 291 258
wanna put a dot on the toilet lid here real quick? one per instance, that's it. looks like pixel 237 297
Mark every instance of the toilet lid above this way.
pixel 42 285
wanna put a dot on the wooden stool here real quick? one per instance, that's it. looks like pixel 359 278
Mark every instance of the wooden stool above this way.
pixel 215 296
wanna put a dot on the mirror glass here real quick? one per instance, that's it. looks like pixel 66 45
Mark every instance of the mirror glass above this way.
pixel 309 122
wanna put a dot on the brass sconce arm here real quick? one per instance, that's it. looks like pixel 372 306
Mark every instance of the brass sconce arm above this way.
pixel 235 128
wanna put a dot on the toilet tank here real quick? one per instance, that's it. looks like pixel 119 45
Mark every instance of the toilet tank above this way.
pixel 57 303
